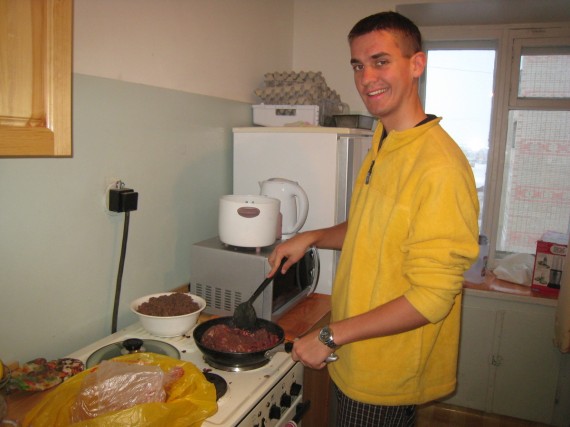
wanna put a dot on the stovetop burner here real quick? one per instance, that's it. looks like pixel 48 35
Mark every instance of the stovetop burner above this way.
pixel 234 368
pixel 219 382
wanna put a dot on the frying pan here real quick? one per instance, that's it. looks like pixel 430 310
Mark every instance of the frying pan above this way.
pixel 237 361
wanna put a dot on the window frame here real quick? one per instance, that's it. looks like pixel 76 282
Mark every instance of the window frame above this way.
pixel 534 38
pixel 506 39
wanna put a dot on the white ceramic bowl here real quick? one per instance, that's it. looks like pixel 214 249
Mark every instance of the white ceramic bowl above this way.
pixel 168 326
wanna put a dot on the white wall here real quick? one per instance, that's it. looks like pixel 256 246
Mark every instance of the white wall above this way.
pixel 217 47
pixel 210 47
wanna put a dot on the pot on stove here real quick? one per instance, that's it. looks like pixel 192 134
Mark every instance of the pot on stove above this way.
pixel 248 221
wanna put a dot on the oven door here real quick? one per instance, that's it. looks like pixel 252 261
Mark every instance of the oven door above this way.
pixel 282 405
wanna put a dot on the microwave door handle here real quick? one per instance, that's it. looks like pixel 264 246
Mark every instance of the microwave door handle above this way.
pixel 298 278
pixel 315 270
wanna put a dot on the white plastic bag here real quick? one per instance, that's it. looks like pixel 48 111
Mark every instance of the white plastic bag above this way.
pixel 516 268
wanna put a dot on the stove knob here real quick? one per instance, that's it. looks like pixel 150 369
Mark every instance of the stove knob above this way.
pixel 295 389
pixel 274 412
pixel 286 400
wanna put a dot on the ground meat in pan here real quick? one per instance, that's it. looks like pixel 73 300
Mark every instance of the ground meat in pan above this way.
pixel 175 304
pixel 234 340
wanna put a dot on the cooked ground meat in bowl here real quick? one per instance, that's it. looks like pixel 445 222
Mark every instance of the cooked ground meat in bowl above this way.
pixel 168 314
pixel 173 304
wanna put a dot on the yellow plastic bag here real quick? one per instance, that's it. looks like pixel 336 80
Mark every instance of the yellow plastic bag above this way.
pixel 191 400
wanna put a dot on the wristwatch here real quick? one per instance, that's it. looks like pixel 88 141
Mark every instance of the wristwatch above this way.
pixel 326 337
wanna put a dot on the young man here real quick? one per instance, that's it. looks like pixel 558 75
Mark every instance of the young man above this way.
pixel 411 234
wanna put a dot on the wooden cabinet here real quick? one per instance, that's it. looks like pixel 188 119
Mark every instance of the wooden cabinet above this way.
pixel 317 385
pixel 311 313
pixel 508 364
pixel 35 78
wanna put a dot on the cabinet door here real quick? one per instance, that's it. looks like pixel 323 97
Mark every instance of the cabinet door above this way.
pixel 475 349
pixel 508 364
pixel 527 377
pixel 35 78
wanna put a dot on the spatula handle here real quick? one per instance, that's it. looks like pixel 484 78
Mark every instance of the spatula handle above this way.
pixel 260 289
pixel 266 282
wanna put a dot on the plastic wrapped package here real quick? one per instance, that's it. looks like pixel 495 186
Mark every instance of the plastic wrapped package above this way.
pixel 116 386
pixel 515 268
pixel 177 394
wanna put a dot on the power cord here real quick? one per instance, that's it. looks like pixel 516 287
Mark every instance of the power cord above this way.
pixel 120 272
pixel 121 200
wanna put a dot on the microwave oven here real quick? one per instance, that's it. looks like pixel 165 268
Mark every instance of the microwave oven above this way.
pixel 226 276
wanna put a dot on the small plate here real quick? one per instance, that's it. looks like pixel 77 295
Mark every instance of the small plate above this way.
pixel 118 349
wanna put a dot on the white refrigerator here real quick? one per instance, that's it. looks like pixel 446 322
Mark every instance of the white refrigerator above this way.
pixel 323 160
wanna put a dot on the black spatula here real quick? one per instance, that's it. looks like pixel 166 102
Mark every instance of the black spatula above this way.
pixel 245 316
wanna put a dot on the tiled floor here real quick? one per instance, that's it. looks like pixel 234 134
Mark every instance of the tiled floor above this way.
pixel 441 415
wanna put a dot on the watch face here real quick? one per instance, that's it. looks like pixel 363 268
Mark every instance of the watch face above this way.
pixel 325 337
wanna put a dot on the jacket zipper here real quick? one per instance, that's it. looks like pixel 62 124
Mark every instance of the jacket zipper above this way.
pixel 429 118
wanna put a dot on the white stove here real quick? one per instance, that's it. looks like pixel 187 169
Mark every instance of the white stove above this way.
pixel 268 396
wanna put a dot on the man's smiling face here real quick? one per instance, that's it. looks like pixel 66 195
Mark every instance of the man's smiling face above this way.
pixel 385 76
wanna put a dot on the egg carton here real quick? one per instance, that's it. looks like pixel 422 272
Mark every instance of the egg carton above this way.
pixel 289 114
pixel 281 115
pixel 284 92
pixel 291 77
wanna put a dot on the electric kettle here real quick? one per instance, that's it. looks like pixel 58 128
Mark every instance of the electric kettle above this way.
pixel 294 203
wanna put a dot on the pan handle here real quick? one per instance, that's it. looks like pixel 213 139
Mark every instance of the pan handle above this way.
pixel 288 346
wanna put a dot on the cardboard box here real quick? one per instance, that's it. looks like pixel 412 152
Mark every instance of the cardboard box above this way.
pixel 551 251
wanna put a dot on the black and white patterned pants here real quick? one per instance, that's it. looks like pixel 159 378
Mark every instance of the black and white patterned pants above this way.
pixel 351 413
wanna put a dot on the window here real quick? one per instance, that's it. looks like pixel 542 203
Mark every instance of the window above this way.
pixel 504 96
pixel 535 193
pixel 459 87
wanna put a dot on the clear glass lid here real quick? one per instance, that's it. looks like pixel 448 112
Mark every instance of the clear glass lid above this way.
pixel 132 345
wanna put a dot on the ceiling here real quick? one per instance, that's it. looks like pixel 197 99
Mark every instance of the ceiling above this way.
pixel 480 12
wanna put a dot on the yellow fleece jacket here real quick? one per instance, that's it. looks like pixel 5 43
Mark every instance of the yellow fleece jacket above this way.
pixel 412 231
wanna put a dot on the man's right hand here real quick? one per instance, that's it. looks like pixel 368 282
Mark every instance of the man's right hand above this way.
pixel 293 249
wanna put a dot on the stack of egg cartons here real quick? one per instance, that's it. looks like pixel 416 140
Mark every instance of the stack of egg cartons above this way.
pixel 283 94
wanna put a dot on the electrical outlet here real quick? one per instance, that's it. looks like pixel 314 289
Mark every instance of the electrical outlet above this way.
pixel 111 183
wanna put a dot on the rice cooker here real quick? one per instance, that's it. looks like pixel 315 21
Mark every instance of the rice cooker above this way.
pixel 249 221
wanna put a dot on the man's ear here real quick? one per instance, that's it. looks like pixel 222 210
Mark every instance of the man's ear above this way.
pixel 419 62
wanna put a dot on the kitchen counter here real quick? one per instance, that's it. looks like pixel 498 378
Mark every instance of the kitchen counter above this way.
pixel 312 312
pixel 494 287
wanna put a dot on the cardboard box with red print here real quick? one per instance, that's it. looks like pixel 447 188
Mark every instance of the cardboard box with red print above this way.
pixel 551 251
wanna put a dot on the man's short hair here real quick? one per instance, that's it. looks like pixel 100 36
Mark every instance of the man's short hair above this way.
pixel 394 22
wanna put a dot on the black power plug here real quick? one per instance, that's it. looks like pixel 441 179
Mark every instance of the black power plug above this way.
pixel 123 200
